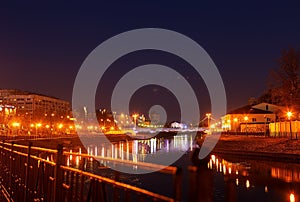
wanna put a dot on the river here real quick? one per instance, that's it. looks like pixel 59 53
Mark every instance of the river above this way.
pixel 220 178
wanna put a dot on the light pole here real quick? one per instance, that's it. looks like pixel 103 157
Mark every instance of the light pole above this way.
pixel 134 117
pixel 235 120
pixel 246 120
pixel 51 125
pixel 289 115
pixel 16 125
pixel 36 129
pixel 208 115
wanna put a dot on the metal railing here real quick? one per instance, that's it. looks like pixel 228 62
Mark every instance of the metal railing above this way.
pixel 29 173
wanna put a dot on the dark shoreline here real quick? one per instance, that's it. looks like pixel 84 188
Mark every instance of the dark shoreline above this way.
pixel 250 155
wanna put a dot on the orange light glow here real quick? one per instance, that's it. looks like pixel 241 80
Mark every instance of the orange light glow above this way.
pixel 292 197
pixel 289 114
pixel 16 124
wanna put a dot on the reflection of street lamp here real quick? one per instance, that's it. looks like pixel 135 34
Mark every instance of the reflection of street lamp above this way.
pixel 289 115
pixel 292 197
pixel 246 120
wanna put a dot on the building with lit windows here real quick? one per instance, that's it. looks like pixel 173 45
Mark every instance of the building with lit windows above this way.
pixel 7 113
pixel 250 118
pixel 32 108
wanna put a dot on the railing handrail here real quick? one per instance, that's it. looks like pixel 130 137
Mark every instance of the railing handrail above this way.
pixel 119 184
pixel 148 166
pixel 33 147
pixel 59 166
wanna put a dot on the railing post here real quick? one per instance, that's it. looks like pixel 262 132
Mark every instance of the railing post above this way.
pixel 27 173
pixel 178 184
pixel 192 183
pixel 57 189
pixel 11 168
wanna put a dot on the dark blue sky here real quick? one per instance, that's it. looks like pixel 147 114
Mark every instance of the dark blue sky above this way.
pixel 43 45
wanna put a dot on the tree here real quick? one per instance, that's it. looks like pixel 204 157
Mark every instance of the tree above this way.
pixel 284 87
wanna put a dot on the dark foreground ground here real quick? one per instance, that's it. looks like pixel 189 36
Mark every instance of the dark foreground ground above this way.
pixel 259 144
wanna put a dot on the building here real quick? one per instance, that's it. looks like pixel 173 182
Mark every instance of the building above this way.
pixel 250 118
pixel 32 108
pixel 7 113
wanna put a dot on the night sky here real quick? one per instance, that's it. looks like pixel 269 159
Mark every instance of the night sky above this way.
pixel 42 46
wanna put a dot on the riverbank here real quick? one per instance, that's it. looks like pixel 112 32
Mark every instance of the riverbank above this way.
pixel 258 144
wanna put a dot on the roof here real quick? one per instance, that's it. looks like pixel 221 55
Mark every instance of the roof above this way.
pixel 248 109
pixel 20 92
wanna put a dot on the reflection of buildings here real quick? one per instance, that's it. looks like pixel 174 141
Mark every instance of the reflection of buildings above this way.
pixel 278 181
pixel 137 150
pixel 286 174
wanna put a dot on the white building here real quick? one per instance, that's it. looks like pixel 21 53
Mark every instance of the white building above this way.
pixel 250 118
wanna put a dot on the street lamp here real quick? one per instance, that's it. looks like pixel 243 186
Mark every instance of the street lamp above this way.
pixel 135 116
pixel 208 115
pixel 246 118
pixel 235 120
pixel 16 125
pixel 289 115
pixel 36 128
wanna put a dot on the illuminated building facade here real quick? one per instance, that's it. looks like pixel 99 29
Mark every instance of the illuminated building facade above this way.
pixel 250 118
pixel 31 108
pixel 7 112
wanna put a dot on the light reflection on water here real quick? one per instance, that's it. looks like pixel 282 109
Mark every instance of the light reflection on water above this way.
pixel 232 179
pixel 137 150
pixel 256 180
pixel 134 151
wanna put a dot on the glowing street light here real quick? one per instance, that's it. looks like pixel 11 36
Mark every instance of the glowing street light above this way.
pixel 208 115
pixel 235 120
pixel 37 125
pixel 16 125
pixel 135 117
pixel 246 118
pixel 60 126
pixel 289 114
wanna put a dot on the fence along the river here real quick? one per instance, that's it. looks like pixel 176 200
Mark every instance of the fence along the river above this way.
pixel 28 174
